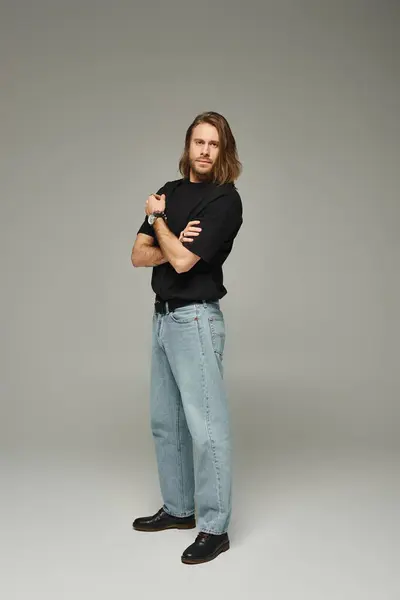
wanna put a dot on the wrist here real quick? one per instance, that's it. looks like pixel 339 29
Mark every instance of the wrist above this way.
pixel 155 215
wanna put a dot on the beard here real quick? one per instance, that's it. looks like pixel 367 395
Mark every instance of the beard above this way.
pixel 200 174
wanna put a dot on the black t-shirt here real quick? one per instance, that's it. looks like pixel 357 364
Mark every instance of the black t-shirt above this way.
pixel 220 221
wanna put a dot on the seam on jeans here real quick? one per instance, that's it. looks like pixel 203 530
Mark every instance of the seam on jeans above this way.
pixel 214 532
pixel 186 514
pixel 208 426
pixel 179 457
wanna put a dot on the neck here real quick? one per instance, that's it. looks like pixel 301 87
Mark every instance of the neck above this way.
pixel 194 178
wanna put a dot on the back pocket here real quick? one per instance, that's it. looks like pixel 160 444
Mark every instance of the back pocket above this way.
pixel 217 330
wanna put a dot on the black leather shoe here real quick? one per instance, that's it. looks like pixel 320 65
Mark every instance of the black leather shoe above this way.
pixel 206 547
pixel 162 520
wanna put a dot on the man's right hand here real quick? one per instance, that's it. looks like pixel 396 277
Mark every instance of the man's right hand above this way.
pixel 190 230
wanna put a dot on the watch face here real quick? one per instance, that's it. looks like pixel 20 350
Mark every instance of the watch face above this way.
pixel 158 213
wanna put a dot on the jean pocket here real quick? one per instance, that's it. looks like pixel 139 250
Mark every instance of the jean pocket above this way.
pixel 217 330
pixel 184 314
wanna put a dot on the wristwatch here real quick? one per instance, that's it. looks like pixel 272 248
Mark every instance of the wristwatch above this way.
pixel 155 215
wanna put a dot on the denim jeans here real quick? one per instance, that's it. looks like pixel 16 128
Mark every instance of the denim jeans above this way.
pixel 189 414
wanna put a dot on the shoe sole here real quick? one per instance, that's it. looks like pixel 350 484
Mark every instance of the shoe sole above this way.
pixel 188 561
pixel 175 526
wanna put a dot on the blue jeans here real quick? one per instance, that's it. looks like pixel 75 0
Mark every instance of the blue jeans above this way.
pixel 189 414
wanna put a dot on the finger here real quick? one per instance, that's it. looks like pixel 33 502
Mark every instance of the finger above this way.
pixel 192 223
pixel 194 229
pixel 186 239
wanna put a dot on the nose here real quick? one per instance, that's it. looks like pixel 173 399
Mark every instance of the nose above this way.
pixel 205 150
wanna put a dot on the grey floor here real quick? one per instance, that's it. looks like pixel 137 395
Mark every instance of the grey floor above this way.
pixel 305 526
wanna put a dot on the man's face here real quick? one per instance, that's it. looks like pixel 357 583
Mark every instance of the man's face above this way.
pixel 203 151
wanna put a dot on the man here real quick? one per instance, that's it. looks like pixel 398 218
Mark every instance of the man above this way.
pixel 188 233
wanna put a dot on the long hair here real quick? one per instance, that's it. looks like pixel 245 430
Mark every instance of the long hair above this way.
pixel 227 166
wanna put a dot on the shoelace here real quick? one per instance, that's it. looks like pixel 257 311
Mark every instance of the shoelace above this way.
pixel 203 536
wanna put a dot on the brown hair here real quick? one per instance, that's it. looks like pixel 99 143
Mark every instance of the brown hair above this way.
pixel 227 167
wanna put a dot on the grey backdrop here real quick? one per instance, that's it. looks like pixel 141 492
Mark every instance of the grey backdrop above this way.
pixel 95 100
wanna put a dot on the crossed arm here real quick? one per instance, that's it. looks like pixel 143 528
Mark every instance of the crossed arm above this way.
pixel 145 254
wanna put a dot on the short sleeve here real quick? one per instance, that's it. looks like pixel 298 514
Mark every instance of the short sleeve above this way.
pixel 145 226
pixel 220 222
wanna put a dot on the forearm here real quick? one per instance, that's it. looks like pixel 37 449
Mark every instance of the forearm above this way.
pixel 148 256
pixel 175 253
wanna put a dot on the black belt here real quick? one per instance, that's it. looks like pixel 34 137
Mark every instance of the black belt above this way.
pixel 160 305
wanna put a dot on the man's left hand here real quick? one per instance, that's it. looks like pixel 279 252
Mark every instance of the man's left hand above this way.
pixel 154 203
